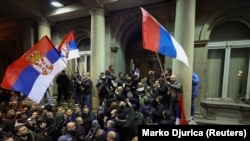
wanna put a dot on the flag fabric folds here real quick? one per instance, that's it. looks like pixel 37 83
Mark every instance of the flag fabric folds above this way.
pixel 156 38
pixel 34 71
pixel 183 120
pixel 68 47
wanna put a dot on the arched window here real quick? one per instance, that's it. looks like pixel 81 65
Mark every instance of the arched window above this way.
pixel 84 44
pixel 83 63
pixel 228 62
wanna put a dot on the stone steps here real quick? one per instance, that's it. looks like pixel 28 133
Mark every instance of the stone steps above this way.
pixel 199 120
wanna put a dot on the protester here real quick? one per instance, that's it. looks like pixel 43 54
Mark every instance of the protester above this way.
pixel 62 81
pixel 195 84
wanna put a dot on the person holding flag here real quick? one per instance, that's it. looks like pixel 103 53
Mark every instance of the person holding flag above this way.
pixel 176 103
pixel 68 50
pixel 34 71
pixel 68 47
pixel 157 39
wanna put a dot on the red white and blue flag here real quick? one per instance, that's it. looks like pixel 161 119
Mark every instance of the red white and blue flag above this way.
pixel 68 47
pixel 34 71
pixel 157 39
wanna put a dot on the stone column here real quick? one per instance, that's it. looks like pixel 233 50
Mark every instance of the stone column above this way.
pixel 97 62
pixel 184 34
pixel 44 29
pixel 28 38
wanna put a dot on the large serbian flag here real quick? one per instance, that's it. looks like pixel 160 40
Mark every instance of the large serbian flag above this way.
pixel 68 47
pixel 34 71
pixel 157 39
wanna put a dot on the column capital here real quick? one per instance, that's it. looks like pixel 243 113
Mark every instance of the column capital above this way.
pixel 43 21
pixel 96 11
pixel 43 28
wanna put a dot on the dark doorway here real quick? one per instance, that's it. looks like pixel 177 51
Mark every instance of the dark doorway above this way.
pixel 138 57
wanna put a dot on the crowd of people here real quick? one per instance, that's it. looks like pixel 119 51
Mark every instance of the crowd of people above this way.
pixel 126 101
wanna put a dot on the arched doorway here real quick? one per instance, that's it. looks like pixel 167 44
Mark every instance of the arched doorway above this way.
pixel 138 57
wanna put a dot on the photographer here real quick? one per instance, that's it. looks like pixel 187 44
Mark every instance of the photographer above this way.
pixel 86 91
pixel 109 76
pixel 102 91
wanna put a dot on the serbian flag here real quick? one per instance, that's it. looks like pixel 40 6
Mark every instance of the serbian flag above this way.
pixel 34 71
pixel 68 47
pixel 157 39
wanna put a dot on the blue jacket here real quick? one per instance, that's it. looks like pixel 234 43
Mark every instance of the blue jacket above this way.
pixel 195 83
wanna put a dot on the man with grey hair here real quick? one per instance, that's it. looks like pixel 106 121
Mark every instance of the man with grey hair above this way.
pixel 175 89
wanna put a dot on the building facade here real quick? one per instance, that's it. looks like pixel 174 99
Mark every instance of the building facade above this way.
pixel 215 35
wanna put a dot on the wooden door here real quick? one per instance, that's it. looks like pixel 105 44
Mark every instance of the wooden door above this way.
pixel 137 56
pixel 145 63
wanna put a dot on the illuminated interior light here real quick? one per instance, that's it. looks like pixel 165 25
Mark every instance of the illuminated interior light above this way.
pixel 57 4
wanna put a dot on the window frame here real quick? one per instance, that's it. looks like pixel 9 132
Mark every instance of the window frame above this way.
pixel 85 55
pixel 228 45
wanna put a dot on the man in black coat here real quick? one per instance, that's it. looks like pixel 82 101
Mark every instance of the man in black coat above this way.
pixel 62 81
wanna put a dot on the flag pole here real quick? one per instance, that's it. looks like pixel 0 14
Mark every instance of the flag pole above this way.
pixel 158 58
pixel 83 68
pixel 77 67
pixel 68 68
